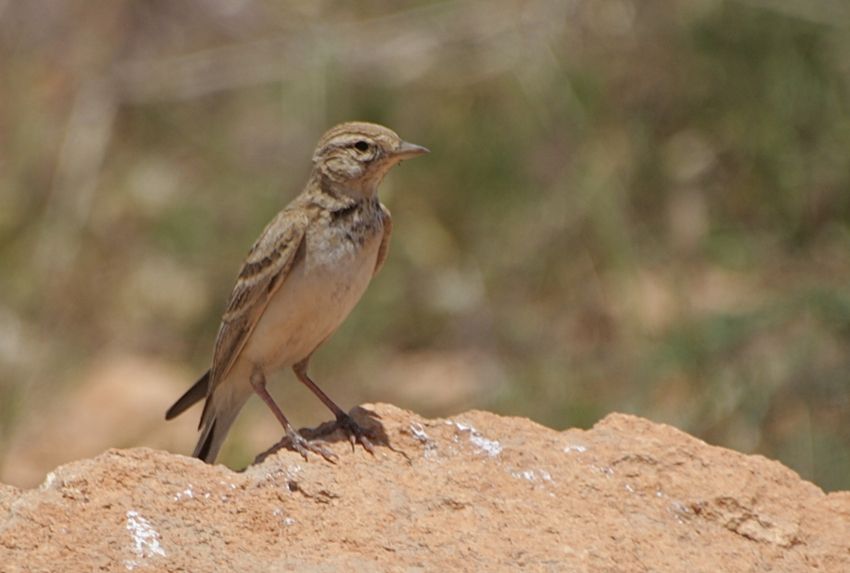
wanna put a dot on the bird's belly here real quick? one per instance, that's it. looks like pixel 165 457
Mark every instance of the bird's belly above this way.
pixel 310 305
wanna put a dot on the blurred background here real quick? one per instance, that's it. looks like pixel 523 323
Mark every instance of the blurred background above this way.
pixel 633 206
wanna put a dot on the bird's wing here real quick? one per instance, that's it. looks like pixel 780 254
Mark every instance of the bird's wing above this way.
pixel 266 268
pixel 384 248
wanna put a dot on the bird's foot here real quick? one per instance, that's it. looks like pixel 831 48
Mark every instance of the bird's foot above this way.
pixel 297 443
pixel 356 434
pixel 302 446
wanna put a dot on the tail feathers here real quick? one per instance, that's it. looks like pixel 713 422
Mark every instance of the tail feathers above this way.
pixel 214 429
pixel 196 393
pixel 220 412
pixel 204 450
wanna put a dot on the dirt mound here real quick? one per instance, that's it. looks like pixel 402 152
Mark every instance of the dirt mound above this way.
pixel 476 492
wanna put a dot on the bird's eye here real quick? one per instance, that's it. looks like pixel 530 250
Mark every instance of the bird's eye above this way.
pixel 361 145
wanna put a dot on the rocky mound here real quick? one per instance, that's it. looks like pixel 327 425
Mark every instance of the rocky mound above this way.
pixel 476 492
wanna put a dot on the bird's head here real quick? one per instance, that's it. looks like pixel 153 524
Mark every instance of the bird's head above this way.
pixel 352 158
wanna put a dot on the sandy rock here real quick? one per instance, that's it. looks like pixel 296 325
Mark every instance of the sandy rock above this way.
pixel 8 494
pixel 120 399
pixel 476 492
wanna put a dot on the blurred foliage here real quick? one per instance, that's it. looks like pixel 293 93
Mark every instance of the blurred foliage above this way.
pixel 630 206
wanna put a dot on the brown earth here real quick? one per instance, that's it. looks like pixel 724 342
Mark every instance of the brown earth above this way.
pixel 476 492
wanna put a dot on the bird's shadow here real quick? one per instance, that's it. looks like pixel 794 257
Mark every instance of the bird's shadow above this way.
pixel 331 432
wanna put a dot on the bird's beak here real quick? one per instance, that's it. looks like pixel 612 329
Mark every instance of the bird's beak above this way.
pixel 407 150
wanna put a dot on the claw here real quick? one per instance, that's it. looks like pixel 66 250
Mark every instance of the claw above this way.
pixel 297 443
pixel 302 446
pixel 356 434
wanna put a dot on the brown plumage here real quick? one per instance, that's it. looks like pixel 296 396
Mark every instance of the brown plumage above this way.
pixel 301 279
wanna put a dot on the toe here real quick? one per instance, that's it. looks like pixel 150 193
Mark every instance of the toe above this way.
pixel 356 434
pixel 321 450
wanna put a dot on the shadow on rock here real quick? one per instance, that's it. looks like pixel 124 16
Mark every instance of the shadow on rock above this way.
pixel 331 432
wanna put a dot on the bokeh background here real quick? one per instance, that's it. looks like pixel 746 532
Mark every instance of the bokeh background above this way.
pixel 630 205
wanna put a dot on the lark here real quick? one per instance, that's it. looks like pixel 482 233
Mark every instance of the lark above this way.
pixel 299 282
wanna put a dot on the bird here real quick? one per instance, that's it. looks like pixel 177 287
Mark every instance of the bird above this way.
pixel 300 280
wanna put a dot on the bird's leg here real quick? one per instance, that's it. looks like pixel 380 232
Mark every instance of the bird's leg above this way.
pixel 292 439
pixel 343 421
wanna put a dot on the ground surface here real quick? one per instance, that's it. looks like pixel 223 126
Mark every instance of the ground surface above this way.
pixel 476 492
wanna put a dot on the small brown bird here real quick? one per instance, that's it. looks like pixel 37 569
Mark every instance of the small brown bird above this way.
pixel 300 280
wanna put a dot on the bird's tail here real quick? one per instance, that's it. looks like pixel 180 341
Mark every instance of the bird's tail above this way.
pixel 196 393
pixel 220 411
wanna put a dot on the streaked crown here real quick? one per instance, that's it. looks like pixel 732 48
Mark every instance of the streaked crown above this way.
pixel 353 157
